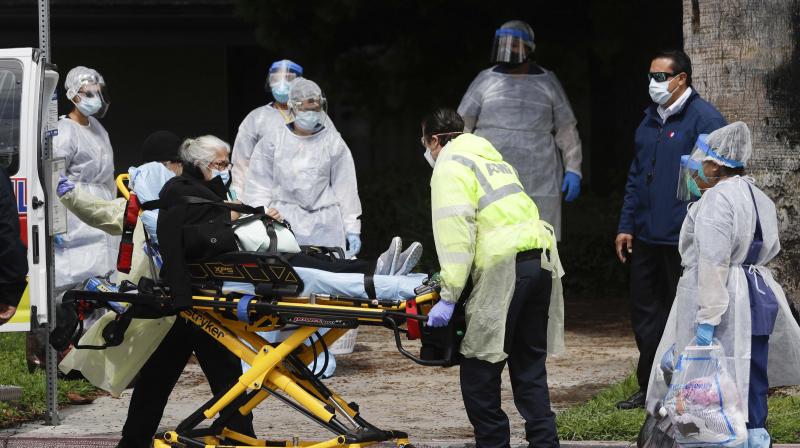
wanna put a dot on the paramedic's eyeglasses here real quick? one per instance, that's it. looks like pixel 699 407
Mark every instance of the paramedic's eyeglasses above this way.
pixel 221 165
pixel 660 76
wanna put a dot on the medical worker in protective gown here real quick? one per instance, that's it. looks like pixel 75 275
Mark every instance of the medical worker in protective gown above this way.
pixel 306 172
pixel 263 120
pixel 726 292
pixel 84 251
pixel 522 109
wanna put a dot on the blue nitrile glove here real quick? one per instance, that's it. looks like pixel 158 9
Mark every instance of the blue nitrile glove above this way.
pixel 572 186
pixel 64 186
pixel 58 240
pixel 705 333
pixel 440 314
pixel 353 244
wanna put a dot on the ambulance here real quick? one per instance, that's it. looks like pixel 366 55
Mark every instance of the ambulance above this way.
pixel 28 114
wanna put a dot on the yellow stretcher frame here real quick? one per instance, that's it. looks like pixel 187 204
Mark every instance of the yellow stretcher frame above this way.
pixel 280 369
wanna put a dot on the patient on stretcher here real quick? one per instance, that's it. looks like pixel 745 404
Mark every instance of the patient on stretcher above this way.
pixel 325 274
pixel 205 228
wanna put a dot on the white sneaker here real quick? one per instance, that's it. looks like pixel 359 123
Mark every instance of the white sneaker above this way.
pixel 388 261
pixel 408 259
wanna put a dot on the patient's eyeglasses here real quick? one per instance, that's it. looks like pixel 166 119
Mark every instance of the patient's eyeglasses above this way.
pixel 221 165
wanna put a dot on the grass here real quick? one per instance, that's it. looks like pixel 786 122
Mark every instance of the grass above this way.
pixel 14 371
pixel 598 419
pixel 783 422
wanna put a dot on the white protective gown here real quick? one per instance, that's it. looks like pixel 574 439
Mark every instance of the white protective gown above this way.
pixel 260 122
pixel 86 251
pixel 311 181
pixel 525 117
pixel 714 241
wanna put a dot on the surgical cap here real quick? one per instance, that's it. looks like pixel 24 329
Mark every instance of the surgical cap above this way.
pixel 303 89
pixel 732 145
pixel 80 76
pixel 161 146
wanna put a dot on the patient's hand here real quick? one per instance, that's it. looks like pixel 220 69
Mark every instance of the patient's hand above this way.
pixel 274 214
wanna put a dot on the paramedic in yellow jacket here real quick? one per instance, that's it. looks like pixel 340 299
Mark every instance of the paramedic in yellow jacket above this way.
pixel 486 227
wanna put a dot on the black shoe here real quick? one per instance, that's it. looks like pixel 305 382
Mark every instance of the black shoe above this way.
pixel 634 401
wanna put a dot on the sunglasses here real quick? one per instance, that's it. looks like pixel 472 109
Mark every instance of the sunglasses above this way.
pixel 660 76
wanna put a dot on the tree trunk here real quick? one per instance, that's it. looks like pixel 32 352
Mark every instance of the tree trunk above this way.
pixel 746 61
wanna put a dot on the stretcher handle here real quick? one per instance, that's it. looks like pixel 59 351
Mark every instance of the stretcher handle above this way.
pixel 122 185
pixel 392 325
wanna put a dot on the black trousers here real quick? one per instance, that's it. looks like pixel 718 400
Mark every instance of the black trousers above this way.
pixel 526 346
pixel 655 271
pixel 160 373
pixel 326 263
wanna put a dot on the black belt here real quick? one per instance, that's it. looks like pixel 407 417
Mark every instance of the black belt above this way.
pixel 531 254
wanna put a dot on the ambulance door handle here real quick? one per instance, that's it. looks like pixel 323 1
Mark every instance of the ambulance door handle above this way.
pixel 35 232
pixel 36 203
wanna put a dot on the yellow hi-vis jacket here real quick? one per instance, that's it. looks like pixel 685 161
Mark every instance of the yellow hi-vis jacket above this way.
pixel 482 218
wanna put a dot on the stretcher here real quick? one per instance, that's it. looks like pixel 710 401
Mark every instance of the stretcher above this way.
pixel 278 370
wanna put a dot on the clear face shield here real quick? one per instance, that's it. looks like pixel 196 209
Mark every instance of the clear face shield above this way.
pixel 511 46
pixel 280 77
pixel 279 80
pixel 691 169
pixel 309 114
pixel 95 96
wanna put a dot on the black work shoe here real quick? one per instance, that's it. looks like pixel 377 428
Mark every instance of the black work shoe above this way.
pixel 634 401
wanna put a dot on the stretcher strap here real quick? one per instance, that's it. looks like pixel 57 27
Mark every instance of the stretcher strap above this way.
pixel 130 217
pixel 412 325
pixel 195 200
pixel 369 287
pixel 241 308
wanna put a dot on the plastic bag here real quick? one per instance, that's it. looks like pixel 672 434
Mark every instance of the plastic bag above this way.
pixel 114 368
pixel 703 403
pixel 252 236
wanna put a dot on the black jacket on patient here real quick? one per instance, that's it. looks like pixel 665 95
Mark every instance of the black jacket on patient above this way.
pixel 191 232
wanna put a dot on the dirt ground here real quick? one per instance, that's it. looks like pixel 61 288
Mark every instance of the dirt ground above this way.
pixel 395 393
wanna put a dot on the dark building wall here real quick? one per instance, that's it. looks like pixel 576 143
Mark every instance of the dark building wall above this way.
pixel 199 66
pixel 179 89
pixel 168 65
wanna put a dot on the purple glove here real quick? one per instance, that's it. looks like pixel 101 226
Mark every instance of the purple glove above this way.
pixel 441 313
pixel 64 186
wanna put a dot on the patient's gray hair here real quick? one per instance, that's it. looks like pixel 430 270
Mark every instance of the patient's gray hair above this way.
pixel 202 150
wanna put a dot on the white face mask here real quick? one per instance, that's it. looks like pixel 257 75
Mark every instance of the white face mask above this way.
pixel 429 157
pixel 659 91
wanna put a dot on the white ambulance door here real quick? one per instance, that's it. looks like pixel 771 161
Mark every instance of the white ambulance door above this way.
pixel 23 84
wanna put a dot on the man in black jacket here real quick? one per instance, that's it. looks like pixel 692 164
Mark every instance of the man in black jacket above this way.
pixel 14 267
